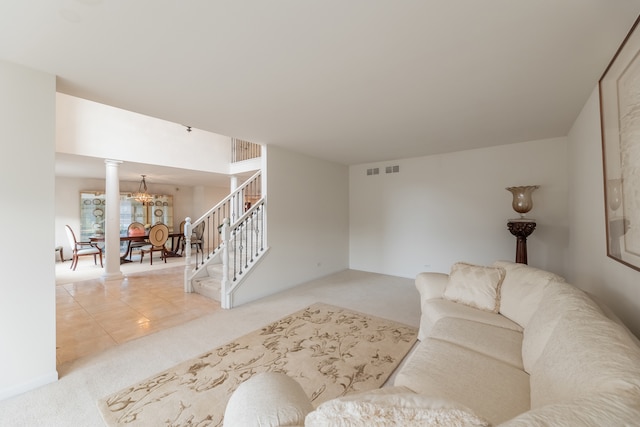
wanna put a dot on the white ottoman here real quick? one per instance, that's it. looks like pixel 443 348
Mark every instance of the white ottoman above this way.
pixel 267 400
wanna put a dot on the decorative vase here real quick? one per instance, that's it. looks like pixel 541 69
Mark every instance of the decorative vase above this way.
pixel 614 193
pixel 522 202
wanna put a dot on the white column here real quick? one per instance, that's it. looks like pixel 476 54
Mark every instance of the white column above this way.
pixel 112 222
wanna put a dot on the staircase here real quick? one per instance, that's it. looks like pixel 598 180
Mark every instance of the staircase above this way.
pixel 233 241
pixel 210 285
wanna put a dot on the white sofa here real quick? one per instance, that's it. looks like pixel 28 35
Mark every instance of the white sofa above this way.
pixel 506 345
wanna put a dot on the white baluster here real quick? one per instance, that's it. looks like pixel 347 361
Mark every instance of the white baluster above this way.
pixel 225 297
pixel 188 287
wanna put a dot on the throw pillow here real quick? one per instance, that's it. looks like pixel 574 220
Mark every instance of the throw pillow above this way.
pixel 476 286
pixel 374 409
pixel 522 290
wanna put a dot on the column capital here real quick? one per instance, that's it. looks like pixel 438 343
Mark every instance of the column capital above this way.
pixel 521 229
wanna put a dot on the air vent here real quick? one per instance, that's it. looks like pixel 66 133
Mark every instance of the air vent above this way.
pixel 392 169
pixel 373 171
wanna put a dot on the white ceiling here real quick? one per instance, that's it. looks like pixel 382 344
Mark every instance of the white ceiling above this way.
pixel 72 166
pixel 353 81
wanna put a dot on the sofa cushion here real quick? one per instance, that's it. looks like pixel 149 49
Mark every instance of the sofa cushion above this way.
pixel 268 400
pixel 586 353
pixel 558 299
pixel 522 290
pixel 392 406
pixel 500 343
pixel 476 286
pixel 435 309
pixel 493 389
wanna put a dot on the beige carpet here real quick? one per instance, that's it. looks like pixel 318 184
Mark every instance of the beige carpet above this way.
pixel 330 351
pixel 71 401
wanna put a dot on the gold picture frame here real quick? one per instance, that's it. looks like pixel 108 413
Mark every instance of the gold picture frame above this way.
pixel 619 89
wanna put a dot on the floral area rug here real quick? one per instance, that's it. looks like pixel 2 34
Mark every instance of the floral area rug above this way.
pixel 330 351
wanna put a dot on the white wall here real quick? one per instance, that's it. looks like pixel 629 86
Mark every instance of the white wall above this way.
pixel 27 303
pixel 67 199
pixel 307 223
pixel 96 130
pixel 454 207
pixel 204 198
pixel 591 269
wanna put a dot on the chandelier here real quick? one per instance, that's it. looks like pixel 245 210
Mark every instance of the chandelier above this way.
pixel 142 196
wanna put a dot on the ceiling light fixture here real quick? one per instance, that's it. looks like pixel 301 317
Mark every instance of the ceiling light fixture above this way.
pixel 142 196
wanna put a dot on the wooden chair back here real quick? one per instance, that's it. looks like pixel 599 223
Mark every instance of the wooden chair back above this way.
pixel 158 235
pixel 136 229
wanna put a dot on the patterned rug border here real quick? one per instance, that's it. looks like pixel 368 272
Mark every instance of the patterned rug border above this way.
pixel 131 401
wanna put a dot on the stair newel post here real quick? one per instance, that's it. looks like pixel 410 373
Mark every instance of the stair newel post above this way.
pixel 225 297
pixel 188 287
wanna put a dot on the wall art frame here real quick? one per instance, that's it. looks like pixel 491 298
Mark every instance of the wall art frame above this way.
pixel 619 89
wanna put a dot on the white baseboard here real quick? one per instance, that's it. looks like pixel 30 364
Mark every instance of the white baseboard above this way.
pixel 29 385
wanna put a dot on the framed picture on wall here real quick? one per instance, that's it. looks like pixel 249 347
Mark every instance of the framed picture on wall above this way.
pixel 620 120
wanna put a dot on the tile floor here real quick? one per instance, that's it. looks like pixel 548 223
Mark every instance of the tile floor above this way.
pixel 93 316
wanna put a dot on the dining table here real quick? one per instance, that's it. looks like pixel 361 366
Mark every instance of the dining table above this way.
pixel 176 239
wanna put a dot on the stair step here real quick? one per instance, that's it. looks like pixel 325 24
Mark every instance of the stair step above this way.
pixel 215 271
pixel 207 286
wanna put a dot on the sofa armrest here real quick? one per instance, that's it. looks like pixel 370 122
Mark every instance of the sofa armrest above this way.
pixel 431 285
pixel 612 316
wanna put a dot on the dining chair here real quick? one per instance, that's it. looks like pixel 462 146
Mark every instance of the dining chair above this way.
pixel 180 245
pixel 158 236
pixel 79 249
pixel 197 237
pixel 135 229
